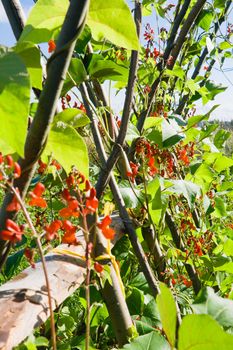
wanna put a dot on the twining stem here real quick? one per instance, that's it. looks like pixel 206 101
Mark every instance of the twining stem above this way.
pixel 39 245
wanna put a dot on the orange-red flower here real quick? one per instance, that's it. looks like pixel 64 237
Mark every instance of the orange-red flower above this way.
pixel 52 46
pixel 98 267
pixel 72 209
pixel 36 199
pixel 91 202
pixel 14 204
pixel 107 231
pixel 70 233
pixel 13 232
pixel 17 170
pixel 134 171
pixel 51 230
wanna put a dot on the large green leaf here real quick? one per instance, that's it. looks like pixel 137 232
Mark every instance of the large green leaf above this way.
pixel 151 341
pixel 67 147
pixel 223 163
pixel 44 21
pixel 170 133
pixel 14 103
pixel 201 332
pixel 30 55
pixel 112 20
pixel 207 302
pixel 135 301
pixel 107 19
pixel 186 188
pixel 205 19
pixel 107 69
pixel 167 311
pixel 72 116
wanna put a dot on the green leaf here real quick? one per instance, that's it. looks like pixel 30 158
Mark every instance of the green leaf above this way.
pixel 228 247
pixel 12 263
pixel 143 327
pixel 225 45
pixel 227 267
pixel 83 39
pixel 44 21
pixel 151 313
pixel 68 148
pixel 167 311
pixel 205 19
pixel 152 122
pixel 207 302
pixel 72 116
pixel 186 188
pixel 99 313
pixel 41 341
pixel 201 332
pixel 30 54
pixel 112 20
pixel 135 302
pixel 170 133
pixel 77 74
pixel 132 133
pixel 220 4
pixel 198 118
pixel 131 197
pixel 107 69
pixel 14 103
pixel 220 137
pixel 220 208
pixel 149 341
pixel 222 163
pixel 139 281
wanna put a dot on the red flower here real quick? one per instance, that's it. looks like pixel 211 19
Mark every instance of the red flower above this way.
pixel 42 167
pixel 56 164
pixel 29 254
pixel 10 161
pixel 91 202
pixel 151 165
pixel 205 67
pixel 107 231
pixel 70 233
pixel 51 230
pixel 98 267
pixel 17 170
pixel 134 171
pixel 52 46
pixel 13 232
pixel 14 204
pixel 71 210
pixel 36 199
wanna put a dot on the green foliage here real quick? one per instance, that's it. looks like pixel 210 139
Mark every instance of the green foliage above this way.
pixel 71 152
pixel 205 334
pixel 167 310
pixel 14 102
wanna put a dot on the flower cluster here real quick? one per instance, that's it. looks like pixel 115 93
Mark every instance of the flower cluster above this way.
pixel 9 167
pixel 150 50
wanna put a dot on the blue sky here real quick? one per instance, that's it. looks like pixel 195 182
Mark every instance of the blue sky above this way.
pixel 225 99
